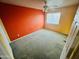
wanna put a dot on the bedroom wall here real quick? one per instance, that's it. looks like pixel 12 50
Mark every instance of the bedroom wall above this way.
pixel 20 21
pixel 67 17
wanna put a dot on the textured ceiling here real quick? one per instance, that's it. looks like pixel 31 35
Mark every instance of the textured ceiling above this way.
pixel 38 4
pixel 61 3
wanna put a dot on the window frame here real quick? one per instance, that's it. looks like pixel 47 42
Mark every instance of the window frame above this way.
pixel 52 13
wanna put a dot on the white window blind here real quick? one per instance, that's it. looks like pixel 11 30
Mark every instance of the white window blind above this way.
pixel 53 18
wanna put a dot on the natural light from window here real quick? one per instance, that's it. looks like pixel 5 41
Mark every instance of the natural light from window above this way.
pixel 53 18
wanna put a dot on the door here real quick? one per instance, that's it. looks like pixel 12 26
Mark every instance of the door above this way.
pixel 71 42
pixel 75 45
pixel 5 49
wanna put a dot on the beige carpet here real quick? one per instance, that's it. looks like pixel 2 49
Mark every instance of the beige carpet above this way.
pixel 42 44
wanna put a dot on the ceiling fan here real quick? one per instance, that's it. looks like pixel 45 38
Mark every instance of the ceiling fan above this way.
pixel 45 7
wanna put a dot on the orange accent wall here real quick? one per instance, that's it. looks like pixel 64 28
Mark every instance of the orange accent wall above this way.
pixel 20 21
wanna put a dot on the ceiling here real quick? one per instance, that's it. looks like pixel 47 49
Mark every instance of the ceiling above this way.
pixel 38 4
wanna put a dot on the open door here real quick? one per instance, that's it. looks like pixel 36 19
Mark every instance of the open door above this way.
pixel 74 53
pixel 5 49
pixel 71 43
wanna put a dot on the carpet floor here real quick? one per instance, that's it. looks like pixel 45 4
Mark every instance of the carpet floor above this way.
pixel 42 44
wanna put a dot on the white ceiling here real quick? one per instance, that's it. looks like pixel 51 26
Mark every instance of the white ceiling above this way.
pixel 61 3
pixel 38 4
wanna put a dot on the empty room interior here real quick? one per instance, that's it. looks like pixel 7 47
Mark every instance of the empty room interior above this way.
pixel 39 29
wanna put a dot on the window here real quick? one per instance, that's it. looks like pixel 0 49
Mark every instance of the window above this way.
pixel 53 18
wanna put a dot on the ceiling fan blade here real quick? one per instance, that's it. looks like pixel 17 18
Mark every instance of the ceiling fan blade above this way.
pixel 45 6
